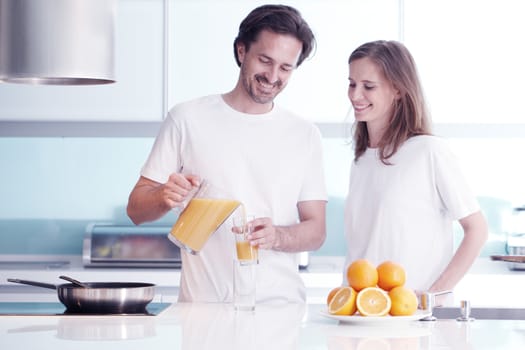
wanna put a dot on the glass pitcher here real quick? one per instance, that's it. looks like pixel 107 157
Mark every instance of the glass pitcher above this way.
pixel 200 218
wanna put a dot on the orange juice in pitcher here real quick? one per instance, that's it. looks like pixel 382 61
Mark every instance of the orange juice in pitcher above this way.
pixel 200 219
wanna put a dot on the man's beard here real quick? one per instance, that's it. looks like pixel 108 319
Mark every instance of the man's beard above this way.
pixel 251 88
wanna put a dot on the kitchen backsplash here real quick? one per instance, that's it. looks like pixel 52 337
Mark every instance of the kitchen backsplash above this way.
pixel 52 188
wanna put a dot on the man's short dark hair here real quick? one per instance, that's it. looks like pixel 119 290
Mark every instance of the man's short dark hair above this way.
pixel 279 19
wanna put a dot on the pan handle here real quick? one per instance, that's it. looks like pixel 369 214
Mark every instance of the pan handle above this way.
pixel 33 283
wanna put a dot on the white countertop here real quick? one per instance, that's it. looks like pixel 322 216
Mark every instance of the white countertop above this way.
pixel 488 283
pixel 218 326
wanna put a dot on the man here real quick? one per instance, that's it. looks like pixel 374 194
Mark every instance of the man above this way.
pixel 255 152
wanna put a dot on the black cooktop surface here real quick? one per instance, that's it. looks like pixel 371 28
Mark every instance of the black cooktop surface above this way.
pixel 58 309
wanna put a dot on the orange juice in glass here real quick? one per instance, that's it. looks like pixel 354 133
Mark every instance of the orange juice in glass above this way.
pixel 246 253
pixel 200 219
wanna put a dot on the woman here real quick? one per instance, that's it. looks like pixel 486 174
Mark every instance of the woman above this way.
pixel 405 185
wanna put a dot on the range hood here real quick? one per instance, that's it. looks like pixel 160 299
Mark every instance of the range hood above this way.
pixel 57 42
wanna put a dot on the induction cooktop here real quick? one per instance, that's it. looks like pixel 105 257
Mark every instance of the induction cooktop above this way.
pixel 58 309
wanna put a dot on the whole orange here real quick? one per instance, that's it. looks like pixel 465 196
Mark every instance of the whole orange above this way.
pixel 390 275
pixel 361 274
pixel 331 294
pixel 404 301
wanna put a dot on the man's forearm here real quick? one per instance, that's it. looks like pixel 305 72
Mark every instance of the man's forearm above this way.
pixel 305 236
pixel 143 205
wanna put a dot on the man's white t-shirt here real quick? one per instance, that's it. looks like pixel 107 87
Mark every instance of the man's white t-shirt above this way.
pixel 269 162
pixel 405 211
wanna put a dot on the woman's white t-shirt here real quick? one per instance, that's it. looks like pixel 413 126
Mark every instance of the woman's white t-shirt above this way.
pixel 405 211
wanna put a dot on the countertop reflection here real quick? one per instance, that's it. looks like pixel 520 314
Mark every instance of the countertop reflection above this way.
pixel 190 326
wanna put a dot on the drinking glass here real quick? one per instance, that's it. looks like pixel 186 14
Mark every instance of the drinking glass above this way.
pixel 244 286
pixel 246 253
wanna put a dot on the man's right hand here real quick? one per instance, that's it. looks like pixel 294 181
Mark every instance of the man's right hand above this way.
pixel 177 188
pixel 150 200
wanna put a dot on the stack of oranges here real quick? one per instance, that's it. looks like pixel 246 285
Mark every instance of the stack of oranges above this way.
pixel 373 291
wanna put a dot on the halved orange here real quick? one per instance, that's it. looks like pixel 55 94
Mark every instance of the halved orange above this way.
pixel 373 301
pixel 331 294
pixel 343 302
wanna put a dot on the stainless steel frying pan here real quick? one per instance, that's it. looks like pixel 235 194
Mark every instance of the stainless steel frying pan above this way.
pixel 101 297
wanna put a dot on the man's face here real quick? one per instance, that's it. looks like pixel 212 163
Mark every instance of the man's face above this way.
pixel 267 66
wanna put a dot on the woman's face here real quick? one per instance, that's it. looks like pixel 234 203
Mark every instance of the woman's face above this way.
pixel 371 95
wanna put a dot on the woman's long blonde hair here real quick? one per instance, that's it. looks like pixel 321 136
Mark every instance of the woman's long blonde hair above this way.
pixel 411 116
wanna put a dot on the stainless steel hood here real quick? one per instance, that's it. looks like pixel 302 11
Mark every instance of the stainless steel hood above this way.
pixel 57 42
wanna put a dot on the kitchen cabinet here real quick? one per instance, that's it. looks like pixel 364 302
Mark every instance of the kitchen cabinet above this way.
pixel 138 94
pixel 169 51
pixel 202 60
